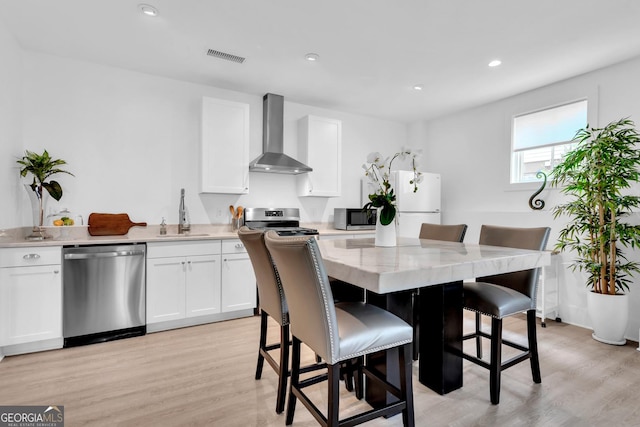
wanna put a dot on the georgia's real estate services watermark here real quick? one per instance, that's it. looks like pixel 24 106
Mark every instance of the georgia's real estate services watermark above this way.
pixel 32 416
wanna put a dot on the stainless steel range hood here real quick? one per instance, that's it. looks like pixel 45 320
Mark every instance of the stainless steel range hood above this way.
pixel 273 160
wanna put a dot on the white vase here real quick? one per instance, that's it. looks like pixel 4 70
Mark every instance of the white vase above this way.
pixel 609 315
pixel 385 234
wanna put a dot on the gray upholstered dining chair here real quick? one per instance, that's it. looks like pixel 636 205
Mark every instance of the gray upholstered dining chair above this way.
pixel 272 303
pixel 444 232
pixel 503 295
pixel 336 332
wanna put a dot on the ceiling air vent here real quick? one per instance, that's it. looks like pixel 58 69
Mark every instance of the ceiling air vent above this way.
pixel 225 56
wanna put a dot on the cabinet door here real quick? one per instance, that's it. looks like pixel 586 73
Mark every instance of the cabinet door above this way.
pixel 320 146
pixel 165 289
pixel 203 285
pixel 30 304
pixel 238 283
pixel 224 164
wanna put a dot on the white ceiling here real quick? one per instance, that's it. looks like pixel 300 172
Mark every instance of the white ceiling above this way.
pixel 372 52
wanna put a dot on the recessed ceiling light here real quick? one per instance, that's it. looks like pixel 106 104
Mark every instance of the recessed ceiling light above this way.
pixel 417 87
pixel 148 10
pixel 312 57
pixel 495 63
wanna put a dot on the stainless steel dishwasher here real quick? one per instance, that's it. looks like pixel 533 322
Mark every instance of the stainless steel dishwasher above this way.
pixel 103 293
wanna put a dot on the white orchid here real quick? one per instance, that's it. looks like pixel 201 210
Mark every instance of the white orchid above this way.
pixel 378 172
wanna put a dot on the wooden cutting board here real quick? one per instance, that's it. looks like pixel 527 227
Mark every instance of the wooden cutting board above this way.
pixel 104 224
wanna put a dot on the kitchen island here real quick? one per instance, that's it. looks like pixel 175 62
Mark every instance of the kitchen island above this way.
pixel 437 269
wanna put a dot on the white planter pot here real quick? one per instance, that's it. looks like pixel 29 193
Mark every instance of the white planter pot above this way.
pixel 385 234
pixel 609 315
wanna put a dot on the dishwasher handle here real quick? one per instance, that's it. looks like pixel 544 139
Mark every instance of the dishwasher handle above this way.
pixel 110 254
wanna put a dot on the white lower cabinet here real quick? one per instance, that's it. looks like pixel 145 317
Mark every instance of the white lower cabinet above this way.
pixel 183 280
pixel 239 281
pixel 190 283
pixel 30 299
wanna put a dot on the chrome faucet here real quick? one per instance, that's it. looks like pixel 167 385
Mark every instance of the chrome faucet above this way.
pixel 183 222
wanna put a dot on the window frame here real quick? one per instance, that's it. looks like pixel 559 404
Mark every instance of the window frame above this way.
pixel 515 168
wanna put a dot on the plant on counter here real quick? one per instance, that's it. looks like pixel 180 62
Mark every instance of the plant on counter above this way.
pixel 42 166
pixel 378 170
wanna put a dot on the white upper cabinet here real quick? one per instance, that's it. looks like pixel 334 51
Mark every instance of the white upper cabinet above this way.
pixel 224 166
pixel 320 146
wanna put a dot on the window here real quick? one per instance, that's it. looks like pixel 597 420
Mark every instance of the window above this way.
pixel 539 140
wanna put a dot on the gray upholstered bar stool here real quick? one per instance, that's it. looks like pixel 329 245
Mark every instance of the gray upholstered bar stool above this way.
pixel 503 295
pixel 272 303
pixel 447 233
pixel 336 332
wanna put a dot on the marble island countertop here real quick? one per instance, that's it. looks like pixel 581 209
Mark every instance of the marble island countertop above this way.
pixel 79 235
pixel 415 263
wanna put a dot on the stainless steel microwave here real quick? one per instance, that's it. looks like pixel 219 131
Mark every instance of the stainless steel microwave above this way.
pixel 354 219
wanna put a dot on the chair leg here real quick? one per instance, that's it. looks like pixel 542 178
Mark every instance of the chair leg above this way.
pixel 495 364
pixel 359 378
pixel 533 346
pixel 478 337
pixel 283 373
pixel 295 380
pixel 416 324
pixel 333 401
pixel 406 384
pixel 263 343
pixel 346 370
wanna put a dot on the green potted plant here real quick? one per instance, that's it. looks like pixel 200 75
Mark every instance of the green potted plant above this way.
pixel 596 176
pixel 41 166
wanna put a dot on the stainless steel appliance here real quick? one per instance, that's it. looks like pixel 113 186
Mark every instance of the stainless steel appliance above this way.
pixel 285 221
pixel 273 159
pixel 103 293
pixel 354 219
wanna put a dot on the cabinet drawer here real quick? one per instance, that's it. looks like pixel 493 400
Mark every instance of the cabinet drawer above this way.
pixel 234 246
pixel 175 249
pixel 34 255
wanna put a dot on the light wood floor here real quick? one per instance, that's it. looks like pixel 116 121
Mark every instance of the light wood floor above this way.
pixel 204 376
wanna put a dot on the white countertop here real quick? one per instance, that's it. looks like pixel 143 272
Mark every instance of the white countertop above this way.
pixel 79 235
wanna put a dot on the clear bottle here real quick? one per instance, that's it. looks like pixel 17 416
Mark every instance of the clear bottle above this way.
pixel 163 227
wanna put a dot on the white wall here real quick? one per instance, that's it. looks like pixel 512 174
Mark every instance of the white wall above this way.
pixel 10 127
pixel 471 150
pixel 131 140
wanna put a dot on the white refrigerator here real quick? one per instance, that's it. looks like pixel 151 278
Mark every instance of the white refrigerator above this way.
pixel 412 208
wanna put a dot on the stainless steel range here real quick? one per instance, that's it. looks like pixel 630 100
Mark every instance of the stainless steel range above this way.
pixel 285 221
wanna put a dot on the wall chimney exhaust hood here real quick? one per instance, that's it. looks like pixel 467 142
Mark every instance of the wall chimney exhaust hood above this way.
pixel 273 160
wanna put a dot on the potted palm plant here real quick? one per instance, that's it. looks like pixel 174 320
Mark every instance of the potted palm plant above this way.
pixel 596 176
pixel 41 166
